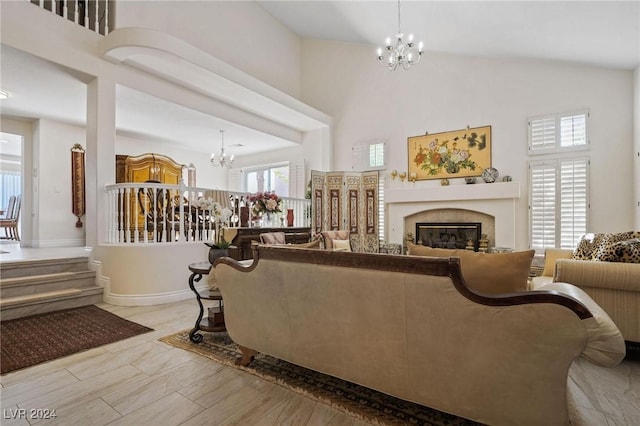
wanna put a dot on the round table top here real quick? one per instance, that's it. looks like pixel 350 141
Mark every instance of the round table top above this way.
pixel 200 267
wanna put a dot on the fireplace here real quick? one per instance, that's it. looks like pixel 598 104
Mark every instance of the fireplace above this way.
pixel 449 235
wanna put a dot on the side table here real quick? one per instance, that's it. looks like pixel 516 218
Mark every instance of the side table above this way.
pixel 208 324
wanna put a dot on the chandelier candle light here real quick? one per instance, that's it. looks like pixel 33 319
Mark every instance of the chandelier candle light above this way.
pixel 401 54
pixel 222 160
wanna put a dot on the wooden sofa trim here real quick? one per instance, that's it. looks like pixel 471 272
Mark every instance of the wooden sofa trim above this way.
pixel 446 267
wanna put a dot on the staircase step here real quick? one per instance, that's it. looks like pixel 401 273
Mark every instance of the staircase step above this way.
pixel 21 306
pixel 18 286
pixel 43 266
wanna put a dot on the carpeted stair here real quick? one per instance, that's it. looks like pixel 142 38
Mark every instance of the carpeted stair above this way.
pixel 46 285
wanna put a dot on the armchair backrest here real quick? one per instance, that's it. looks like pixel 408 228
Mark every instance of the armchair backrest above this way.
pixel 272 238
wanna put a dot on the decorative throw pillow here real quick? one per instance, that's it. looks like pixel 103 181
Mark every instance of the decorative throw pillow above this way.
pixel 341 245
pixel 491 273
pixel 587 246
pixel 606 250
pixel 272 238
pixel 629 251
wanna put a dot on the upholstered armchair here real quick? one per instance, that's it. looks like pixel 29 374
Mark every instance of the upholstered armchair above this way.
pixel 336 240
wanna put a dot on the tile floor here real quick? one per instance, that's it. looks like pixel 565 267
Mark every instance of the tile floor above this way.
pixel 140 381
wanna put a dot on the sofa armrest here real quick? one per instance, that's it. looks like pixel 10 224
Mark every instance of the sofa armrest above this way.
pixel 598 274
pixel 605 344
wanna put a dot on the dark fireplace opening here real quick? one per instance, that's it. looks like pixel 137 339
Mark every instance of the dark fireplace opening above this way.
pixel 450 235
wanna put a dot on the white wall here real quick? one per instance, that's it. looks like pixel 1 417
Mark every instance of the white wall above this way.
pixel 241 33
pixel 448 92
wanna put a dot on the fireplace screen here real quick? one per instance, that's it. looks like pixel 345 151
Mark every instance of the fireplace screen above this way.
pixel 448 235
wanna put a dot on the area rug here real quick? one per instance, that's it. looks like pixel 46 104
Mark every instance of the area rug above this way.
pixel 358 401
pixel 38 338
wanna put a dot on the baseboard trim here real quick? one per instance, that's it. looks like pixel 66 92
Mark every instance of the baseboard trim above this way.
pixel 151 299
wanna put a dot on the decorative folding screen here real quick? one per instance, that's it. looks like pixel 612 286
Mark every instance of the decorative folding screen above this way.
pixel 347 200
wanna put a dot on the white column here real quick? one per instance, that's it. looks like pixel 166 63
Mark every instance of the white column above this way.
pixel 100 157
pixel 636 143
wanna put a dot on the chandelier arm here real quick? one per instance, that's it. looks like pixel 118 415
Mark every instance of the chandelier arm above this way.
pixel 399 30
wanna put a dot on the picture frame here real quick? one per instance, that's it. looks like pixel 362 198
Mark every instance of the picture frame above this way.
pixel 452 154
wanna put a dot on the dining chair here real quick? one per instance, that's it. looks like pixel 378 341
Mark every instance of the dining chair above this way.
pixel 10 221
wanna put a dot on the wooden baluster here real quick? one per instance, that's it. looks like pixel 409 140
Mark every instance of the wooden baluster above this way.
pixel 75 12
pixel 65 9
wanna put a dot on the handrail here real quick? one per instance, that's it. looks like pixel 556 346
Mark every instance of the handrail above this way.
pixel 144 213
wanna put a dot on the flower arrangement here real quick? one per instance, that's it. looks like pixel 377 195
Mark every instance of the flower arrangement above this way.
pixel 265 202
pixel 438 156
pixel 218 215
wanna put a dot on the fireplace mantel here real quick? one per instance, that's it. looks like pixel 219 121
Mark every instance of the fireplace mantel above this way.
pixel 478 191
pixel 404 199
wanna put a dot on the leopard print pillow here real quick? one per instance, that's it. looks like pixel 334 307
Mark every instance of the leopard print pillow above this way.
pixel 587 246
pixel 607 249
pixel 629 251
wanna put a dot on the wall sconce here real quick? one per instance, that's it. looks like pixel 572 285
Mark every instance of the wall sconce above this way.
pixel 393 174
pixel 402 176
pixel 413 176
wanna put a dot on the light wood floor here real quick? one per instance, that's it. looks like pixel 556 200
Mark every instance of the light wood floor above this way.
pixel 140 381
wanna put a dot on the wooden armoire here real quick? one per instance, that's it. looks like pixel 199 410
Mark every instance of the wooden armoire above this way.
pixel 144 168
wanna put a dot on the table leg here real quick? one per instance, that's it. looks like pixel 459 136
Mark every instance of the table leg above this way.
pixel 194 335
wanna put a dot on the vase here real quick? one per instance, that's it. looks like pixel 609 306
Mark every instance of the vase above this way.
pixel 215 253
pixel 267 220
pixel 289 217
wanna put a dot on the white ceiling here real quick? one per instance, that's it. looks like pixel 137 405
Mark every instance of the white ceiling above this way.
pixel 603 33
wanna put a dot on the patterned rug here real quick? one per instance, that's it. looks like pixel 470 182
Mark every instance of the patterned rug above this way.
pixel 38 338
pixel 361 402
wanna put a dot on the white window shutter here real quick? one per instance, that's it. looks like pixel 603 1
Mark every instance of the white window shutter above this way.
pixel 574 201
pixel 542 205
pixel 558 203
pixel 542 134
pixel 370 155
pixel 558 132
pixel 297 184
pixel 234 177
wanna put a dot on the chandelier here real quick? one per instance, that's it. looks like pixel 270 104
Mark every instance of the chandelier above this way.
pixel 401 54
pixel 222 160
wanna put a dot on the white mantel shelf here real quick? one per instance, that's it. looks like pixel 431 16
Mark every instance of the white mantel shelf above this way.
pixel 413 193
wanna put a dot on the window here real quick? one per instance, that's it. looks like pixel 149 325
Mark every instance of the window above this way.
pixel 558 132
pixel 270 178
pixel 369 156
pixel 558 202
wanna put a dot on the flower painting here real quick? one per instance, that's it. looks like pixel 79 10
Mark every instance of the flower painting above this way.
pixel 458 153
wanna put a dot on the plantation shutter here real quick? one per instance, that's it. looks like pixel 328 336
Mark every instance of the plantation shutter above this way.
pixel 369 156
pixel 542 134
pixel 234 178
pixel 573 130
pixel 558 132
pixel 558 203
pixel 573 201
pixel 381 207
pixel 542 205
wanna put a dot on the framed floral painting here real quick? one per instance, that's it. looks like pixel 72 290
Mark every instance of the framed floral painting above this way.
pixel 458 153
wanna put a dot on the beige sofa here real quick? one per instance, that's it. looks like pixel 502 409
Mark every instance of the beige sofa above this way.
pixel 615 286
pixel 410 327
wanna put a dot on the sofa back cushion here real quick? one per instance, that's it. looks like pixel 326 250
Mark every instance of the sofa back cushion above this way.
pixel 491 273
